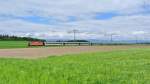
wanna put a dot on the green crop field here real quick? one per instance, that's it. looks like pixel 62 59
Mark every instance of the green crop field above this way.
pixel 13 44
pixel 115 67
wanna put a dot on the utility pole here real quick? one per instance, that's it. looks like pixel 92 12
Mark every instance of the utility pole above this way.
pixel 74 34
pixel 111 37
pixel 74 31
pixel 136 39
pixel 146 5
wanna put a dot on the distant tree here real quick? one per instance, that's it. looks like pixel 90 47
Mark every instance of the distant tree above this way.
pixel 16 38
pixel 72 41
pixel 77 41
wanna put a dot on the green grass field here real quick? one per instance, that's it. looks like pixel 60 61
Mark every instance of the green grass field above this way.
pixel 13 44
pixel 115 67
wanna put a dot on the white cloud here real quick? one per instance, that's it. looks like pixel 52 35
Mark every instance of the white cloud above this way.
pixel 67 7
pixel 139 32
pixel 128 22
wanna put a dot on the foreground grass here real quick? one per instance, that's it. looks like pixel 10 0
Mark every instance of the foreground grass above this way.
pixel 13 44
pixel 116 67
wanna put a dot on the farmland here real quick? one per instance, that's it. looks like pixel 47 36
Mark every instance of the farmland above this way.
pixel 13 44
pixel 130 66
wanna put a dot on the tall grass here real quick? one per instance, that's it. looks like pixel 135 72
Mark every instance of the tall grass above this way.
pixel 115 67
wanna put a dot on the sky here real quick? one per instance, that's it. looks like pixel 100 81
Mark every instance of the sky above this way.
pixel 94 19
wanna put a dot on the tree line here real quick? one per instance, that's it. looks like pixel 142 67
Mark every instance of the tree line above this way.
pixel 17 38
pixel 72 41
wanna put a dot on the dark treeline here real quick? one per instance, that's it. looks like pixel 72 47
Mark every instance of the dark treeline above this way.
pixel 72 41
pixel 16 38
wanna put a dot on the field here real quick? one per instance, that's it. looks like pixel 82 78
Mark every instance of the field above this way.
pixel 121 64
pixel 130 66
pixel 34 53
pixel 13 44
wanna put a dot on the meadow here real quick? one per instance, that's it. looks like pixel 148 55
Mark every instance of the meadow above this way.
pixel 114 67
pixel 13 44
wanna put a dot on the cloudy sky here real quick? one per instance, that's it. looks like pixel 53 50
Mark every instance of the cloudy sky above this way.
pixel 93 18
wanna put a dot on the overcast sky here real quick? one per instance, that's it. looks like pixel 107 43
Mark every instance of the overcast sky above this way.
pixel 93 18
